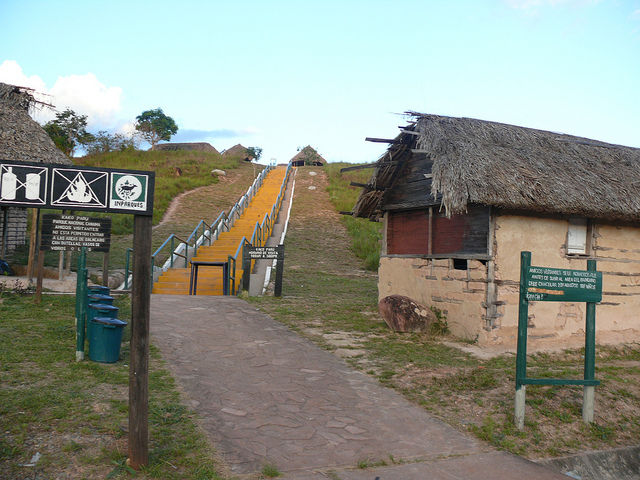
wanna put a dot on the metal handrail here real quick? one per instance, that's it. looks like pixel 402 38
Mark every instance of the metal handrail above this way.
pixel 224 222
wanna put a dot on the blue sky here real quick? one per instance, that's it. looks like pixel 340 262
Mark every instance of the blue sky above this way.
pixel 281 74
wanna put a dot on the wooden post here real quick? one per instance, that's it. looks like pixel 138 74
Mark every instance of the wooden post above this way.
pixel 38 296
pixel 105 269
pixel 33 240
pixel 81 303
pixel 139 361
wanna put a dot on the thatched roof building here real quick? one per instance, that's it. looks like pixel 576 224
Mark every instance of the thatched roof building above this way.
pixel 21 138
pixel 237 151
pixel 308 156
pixel 193 146
pixel 455 162
pixel 462 200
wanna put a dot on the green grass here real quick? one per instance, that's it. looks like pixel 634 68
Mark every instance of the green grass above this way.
pixel 76 413
pixel 366 235
pixel 196 170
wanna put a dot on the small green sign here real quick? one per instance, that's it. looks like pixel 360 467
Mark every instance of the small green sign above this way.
pixel 129 191
pixel 562 285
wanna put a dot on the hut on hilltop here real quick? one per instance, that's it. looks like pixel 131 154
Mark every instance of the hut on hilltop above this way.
pixel 308 156
pixel 238 151
pixel 194 146
pixel 462 198
pixel 22 139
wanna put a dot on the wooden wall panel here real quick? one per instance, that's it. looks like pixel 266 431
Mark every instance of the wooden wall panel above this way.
pixel 408 232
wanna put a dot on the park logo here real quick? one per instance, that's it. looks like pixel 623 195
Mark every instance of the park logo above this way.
pixel 128 191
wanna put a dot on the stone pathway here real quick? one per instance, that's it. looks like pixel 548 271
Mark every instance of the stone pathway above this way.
pixel 268 396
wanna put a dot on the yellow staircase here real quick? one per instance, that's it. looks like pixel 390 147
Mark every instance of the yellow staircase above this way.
pixel 175 281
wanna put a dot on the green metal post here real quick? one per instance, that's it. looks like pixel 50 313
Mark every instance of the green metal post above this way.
pixel 521 355
pixel 81 304
pixel 589 356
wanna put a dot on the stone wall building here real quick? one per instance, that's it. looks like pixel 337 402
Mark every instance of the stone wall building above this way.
pixel 462 198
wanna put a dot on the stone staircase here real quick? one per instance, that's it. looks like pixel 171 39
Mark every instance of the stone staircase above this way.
pixel 175 281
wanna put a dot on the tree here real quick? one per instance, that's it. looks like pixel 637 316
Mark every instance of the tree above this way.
pixel 154 126
pixel 103 143
pixel 68 131
pixel 254 152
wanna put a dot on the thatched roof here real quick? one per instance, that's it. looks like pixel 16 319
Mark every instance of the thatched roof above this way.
pixel 461 161
pixel 193 146
pixel 236 151
pixel 308 155
pixel 21 138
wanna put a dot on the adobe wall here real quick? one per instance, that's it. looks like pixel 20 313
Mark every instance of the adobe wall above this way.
pixel 459 294
pixel 554 325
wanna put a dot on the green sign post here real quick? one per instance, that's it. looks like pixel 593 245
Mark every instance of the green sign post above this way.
pixel 542 284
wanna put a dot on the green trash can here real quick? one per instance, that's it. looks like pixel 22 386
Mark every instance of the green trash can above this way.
pixel 100 298
pixel 92 289
pixel 105 340
pixel 99 310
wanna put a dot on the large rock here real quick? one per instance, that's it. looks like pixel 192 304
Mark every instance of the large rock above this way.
pixel 404 315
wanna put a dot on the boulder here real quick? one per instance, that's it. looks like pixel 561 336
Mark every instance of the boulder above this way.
pixel 404 315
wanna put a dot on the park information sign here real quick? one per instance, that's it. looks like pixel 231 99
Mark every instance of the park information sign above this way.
pixel 560 285
pixel 72 232
pixel 557 285
pixel 61 187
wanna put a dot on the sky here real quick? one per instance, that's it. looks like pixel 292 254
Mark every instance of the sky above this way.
pixel 280 75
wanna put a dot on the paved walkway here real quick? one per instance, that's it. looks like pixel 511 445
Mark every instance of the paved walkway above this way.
pixel 268 396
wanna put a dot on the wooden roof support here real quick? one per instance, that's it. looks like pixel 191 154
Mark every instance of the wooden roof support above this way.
pixel 364 185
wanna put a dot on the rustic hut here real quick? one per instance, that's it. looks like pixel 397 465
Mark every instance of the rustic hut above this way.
pixel 238 151
pixel 461 198
pixel 192 147
pixel 21 140
pixel 308 156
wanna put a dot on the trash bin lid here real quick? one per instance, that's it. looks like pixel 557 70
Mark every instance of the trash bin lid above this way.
pixel 100 296
pixel 98 288
pixel 109 321
pixel 102 306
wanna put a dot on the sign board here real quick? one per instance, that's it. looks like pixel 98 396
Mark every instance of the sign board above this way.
pixel 562 285
pixel 265 253
pixel 39 185
pixel 72 232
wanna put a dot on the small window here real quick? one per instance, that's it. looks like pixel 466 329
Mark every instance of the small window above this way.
pixel 578 237
pixel 459 264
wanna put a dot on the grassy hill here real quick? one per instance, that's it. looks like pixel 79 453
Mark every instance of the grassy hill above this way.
pixel 216 194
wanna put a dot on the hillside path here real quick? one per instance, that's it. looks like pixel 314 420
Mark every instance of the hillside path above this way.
pixel 267 396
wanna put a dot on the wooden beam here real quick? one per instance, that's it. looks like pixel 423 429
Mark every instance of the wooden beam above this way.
pixel 382 140
pixel 358 167
pixel 365 185
pixel 409 132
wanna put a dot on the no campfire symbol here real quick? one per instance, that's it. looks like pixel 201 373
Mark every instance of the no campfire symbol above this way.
pixel 79 188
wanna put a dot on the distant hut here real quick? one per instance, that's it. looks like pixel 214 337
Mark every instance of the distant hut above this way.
pixel 22 139
pixel 238 151
pixel 191 147
pixel 308 156
pixel 461 198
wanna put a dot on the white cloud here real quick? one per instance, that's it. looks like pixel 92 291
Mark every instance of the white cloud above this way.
pixel 84 94
pixel 11 73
